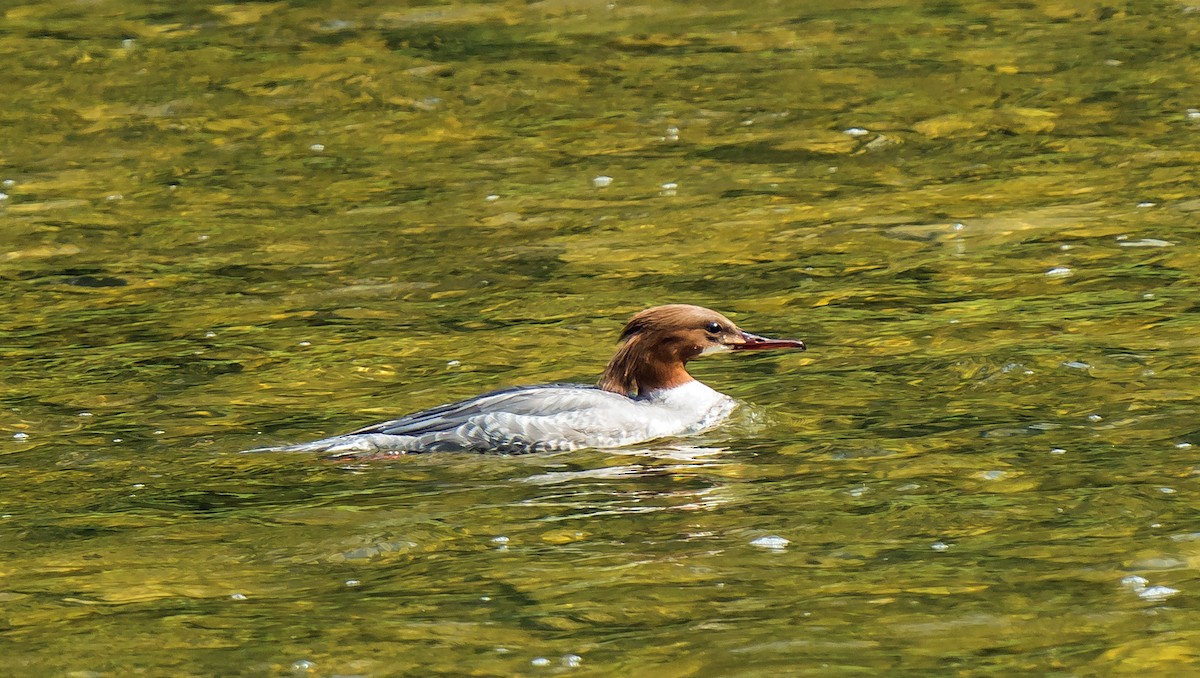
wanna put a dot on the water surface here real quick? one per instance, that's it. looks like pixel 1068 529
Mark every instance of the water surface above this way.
pixel 233 225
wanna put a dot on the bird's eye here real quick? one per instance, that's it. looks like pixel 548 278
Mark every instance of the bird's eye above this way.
pixel 714 327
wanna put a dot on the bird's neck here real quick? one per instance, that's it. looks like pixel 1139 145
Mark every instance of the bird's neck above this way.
pixel 640 368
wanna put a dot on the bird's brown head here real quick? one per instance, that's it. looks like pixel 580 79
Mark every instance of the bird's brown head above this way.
pixel 659 341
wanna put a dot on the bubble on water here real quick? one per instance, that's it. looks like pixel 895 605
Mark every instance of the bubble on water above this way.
pixel 317 148
pixel 1146 242
pixel 939 546
pixel 113 197
pixel 991 475
pixel 1122 237
pixel 602 181
pixel 486 599
pixel 1095 417
pixel 668 189
pixel 540 661
pixel 85 414
pixel 1058 450
pixel 3 196
pixel 771 541
pixel 453 363
pixel 1134 582
pixel 491 197
pixel 572 661
pixel 1077 365
pixel 305 343
pixel 303 666
pixel 128 43
pixel 1065 247
pixel 209 335
pixel 1059 272
pixel 138 486
pixel 8 183
pixel 1183 445
pixel 855 132
pixel 159 431
pixel 20 436
pixel 1167 490
pixel 959 226
pixel 352 583
pixel 1157 593
pixel 118 440
pixel 672 133
pixel 237 596
pixel 1193 113
pixel 1146 204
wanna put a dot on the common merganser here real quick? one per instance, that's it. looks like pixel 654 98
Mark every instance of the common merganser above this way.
pixel 644 393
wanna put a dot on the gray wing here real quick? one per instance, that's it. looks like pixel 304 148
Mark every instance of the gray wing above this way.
pixel 537 401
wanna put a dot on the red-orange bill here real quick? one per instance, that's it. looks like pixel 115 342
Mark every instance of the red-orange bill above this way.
pixel 757 343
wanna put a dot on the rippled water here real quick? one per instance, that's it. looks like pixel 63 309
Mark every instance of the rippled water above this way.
pixel 233 225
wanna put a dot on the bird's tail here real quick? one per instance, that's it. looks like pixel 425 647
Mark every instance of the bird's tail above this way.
pixel 336 447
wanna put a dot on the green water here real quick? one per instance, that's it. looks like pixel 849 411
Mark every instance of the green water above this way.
pixel 236 225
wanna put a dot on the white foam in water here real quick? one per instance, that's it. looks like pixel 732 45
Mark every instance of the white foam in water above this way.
pixel 1059 272
pixel 856 132
pixel 540 661
pixel 939 546
pixel 602 181
pixel 1134 582
pixel 572 661
pixel 1146 242
pixel 770 542
pixel 1157 593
